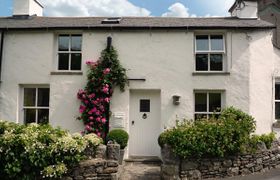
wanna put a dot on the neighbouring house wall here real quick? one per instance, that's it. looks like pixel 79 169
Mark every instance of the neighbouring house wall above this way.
pixel 164 58
pixel 261 79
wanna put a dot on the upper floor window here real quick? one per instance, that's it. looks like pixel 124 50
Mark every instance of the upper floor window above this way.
pixel 209 52
pixel 36 104
pixel 70 52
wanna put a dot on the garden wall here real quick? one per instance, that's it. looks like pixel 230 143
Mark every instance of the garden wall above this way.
pixel 101 164
pixel 190 169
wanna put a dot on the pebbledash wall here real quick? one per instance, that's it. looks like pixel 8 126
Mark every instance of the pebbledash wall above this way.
pixel 164 58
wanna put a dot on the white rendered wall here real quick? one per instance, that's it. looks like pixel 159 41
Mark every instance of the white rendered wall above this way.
pixel 250 10
pixel 164 58
pixel 27 7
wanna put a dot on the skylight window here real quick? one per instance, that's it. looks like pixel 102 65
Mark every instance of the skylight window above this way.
pixel 111 20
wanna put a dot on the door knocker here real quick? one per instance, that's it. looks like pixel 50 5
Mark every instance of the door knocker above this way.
pixel 144 116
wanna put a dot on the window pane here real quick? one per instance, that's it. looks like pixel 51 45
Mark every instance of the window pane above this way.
pixel 63 61
pixel 202 43
pixel 200 102
pixel 76 43
pixel 43 97
pixel 277 110
pixel 214 102
pixel 29 97
pixel 76 59
pixel 144 105
pixel 43 116
pixel 201 62
pixel 63 43
pixel 277 91
pixel 29 116
pixel 216 62
pixel 217 43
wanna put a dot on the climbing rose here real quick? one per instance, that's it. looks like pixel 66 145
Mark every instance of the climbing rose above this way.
pixel 106 71
pixel 82 108
pixel 107 99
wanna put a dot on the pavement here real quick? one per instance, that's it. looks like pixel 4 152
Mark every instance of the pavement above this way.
pixel 273 174
pixel 142 170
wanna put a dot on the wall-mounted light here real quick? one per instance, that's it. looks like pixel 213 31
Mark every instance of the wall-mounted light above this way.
pixel 176 99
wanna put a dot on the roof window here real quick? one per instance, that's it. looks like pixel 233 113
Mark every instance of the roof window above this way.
pixel 111 20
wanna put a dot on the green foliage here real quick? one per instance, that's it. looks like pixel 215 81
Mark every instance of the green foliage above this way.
pixel 28 151
pixel 267 139
pixel 119 136
pixel 216 137
pixel 103 76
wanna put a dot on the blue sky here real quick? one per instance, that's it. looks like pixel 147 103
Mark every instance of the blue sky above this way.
pixel 178 8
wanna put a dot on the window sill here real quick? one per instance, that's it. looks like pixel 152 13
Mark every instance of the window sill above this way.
pixel 67 73
pixel 210 73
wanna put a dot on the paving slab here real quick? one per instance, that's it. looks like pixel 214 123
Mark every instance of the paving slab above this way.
pixel 140 171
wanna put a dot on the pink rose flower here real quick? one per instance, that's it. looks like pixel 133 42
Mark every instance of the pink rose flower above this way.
pixel 91 118
pixel 107 99
pixel 106 71
pixel 103 120
pixel 82 108
pixel 98 119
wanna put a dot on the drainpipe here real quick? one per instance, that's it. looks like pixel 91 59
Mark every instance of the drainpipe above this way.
pixel 1 52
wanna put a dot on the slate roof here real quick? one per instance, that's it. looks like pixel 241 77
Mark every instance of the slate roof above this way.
pixel 35 22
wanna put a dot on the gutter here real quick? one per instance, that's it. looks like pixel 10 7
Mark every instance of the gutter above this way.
pixel 1 52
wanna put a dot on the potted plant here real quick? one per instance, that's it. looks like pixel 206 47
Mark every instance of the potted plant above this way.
pixel 119 136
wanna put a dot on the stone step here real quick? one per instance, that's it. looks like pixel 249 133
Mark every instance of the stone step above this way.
pixel 144 160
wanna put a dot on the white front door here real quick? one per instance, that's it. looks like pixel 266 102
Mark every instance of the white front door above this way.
pixel 144 123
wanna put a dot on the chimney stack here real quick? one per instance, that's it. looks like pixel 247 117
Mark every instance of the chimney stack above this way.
pixel 244 9
pixel 27 8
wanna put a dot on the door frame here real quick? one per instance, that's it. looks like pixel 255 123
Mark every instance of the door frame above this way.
pixel 159 95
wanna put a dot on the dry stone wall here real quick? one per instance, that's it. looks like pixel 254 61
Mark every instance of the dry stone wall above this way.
pixel 102 164
pixel 195 169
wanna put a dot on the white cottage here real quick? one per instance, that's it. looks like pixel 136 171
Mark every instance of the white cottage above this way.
pixel 178 68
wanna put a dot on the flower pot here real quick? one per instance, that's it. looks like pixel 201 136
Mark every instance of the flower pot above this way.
pixel 121 156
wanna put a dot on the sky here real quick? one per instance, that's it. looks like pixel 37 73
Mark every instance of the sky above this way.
pixel 165 8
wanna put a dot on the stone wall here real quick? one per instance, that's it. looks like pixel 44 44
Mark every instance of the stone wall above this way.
pixel 101 163
pixel 261 161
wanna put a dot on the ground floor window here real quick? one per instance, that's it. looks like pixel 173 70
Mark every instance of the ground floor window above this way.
pixel 207 104
pixel 277 101
pixel 36 104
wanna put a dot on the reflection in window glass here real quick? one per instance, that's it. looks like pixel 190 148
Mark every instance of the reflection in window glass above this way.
pixel 201 62
pixel 76 43
pixel 200 102
pixel 76 59
pixel 29 96
pixel 217 43
pixel 63 43
pixel 214 102
pixel 43 97
pixel 144 105
pixel 202 43
pixel 216 62
pixel 29 116
pixel 63 61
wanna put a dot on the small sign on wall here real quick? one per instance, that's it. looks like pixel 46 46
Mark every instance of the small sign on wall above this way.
pixel 117 120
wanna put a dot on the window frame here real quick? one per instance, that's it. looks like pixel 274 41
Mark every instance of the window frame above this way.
pixel 207 92
pixel 36 107
pixel 277 82
pixel 69 52
pixel 209 52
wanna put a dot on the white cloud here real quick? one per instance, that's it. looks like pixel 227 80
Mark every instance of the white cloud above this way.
pixel 92 8
pixel 178 10
pixel 216 7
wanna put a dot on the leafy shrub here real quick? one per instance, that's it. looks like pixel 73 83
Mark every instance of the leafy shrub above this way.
pixel 119 136
pixel 28 151
pixel 216 137
pixel 267 139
